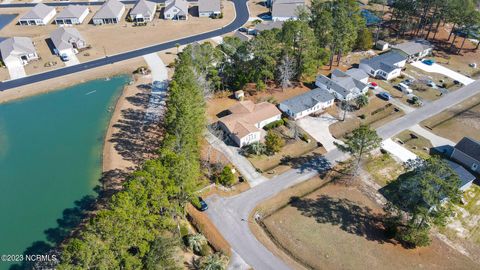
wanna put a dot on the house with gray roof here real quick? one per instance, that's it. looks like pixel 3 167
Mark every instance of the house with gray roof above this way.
pixel 72 14
pixel 209 8
pixel 313 101
pixel 109 13
pixel 67 41
pixel 385 66
pixel 17 49
pixel 176 10
pixel 466 178
pixel 467 153
pixel 267 25
pixel 284 10
pixel 341 85
pixel 40 14
pixel 357 73
pixel 414 50
pixel 143 11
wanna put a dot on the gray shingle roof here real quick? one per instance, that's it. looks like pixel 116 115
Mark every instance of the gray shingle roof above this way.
pixel 308 100
pixel 341 82
pixel 38 12
pixel 413 47
pixel 146 8
pixel 470 147
pixel 208 5
pixel 182 5
pixel 72 11
pixel 269 25
pixel 110 9
pixel 357 73
pixel 16 46
pixel 285 9
pixel 384 61
pixel 464 175
pixel 63 37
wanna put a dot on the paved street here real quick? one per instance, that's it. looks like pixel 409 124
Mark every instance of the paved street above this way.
pixel 240 19
pixel 229 214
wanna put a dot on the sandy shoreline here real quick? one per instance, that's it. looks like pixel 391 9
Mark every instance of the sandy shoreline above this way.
pixel 124 67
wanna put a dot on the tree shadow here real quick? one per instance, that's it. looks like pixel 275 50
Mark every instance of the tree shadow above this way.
pixel 312 162
pixel 344 213
pixel 140 99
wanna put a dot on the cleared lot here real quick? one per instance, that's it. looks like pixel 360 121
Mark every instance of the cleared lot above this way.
pixel 338 227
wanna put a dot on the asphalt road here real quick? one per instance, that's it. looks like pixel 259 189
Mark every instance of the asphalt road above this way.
pixel 230 214
pixel 241 18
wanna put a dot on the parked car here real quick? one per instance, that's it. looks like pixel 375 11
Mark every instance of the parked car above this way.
pixel 373 85
pixel 64 57
pixel 428 62
pixel 404 88
pixel 384 95
pixel 242 29
pixel 202 205
pixel 407 81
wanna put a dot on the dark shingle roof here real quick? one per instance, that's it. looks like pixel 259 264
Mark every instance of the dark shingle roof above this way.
pixel 307 100
pixel 464 175
pixel 470 147
pixel 384 61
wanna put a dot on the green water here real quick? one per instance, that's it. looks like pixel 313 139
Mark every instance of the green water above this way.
pixel 50 156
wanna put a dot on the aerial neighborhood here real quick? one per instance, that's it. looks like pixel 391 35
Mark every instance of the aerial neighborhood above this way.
pixel 260 134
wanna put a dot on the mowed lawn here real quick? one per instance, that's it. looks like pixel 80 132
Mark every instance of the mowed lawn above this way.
pixel 463 117
pixel 338 227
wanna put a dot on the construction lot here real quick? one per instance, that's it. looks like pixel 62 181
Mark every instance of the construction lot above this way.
pixel 106 40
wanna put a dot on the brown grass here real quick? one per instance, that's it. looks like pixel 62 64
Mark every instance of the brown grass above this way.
pixel 207 228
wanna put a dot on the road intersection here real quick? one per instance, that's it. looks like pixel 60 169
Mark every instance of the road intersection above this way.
pixel 230 214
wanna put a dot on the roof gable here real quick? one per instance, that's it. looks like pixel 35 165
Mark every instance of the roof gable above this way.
pixel 39 11
pixel 110 9
pixel 72 11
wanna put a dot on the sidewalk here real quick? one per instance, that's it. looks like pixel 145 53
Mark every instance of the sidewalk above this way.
pixel 240 162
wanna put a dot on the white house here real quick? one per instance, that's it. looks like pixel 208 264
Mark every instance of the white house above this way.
pixel 40 14
pixel 176 10
pixel 246 119
pixel 72 14
pixel 109 13
pixel 17 50
pixel 67 41
pixel 308 103
pixel 355 73
pixel 209 8
pixel 385 66
pixel 143 11
pixel 284 10
pixel 341 85
pixel 414 50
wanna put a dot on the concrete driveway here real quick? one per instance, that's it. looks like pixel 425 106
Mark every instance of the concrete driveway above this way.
pixel 15 69
pixel 436 68
pixel 317 127
pixel 397 150
pixel 73 59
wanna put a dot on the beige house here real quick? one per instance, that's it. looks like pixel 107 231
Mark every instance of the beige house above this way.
pixel 246 119
pixel 40 14
pixel 67 41
pixel 176 10
pixel 72 14
pixel 143 11
pixel 111 12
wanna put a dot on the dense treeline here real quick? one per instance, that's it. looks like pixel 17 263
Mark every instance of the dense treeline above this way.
pixel 297 50
pixel 137 230
pixel 421 18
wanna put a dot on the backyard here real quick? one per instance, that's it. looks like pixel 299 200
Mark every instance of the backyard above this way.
pixel 462 117
pixel 319 229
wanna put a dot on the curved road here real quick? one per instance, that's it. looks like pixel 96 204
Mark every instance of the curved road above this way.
pixel 241 18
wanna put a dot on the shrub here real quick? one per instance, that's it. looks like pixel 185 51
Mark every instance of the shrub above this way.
pixel 255 148
pixel 362 116
pixel 274 124
pixel 204 250
pixel 304 137
pixel 261 86
pixel 195 201
pixel 273 142
pixel 226 177
pixel 183 230
pixel 196 242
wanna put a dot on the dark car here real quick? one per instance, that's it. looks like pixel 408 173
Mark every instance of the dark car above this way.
pixel 202 205
pixel 384 95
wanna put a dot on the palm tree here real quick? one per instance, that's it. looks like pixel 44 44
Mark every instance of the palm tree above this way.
pixel 196 242
pixel 216 261
pixel 361 101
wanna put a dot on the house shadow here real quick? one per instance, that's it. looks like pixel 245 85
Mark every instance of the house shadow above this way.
pixel 345 214
pixel 313 162
pixel 50 45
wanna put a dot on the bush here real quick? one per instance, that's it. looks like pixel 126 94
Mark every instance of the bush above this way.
pixel 362 116
pixel 273 142
pixel 304 137
pixel 255 148
pixel 204 250
pixel 183 230
pixel 226 177
pixel 274 124
pixel 261 86
pixel 195 201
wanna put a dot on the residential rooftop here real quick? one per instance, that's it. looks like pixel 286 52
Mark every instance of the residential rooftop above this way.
pixel 63 37
pixel 307 100
pixel 413 47
pixel 469 147
pixel 143 7
pixel 72 11
pixel 110 9
pixel 384 61
pixel 38 12
pixel 16 46
pixel 208 5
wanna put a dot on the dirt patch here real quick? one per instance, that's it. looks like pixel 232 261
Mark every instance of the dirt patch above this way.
pixel 338 227
pixel 463 117
pixel 383 168
pixel 414 142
